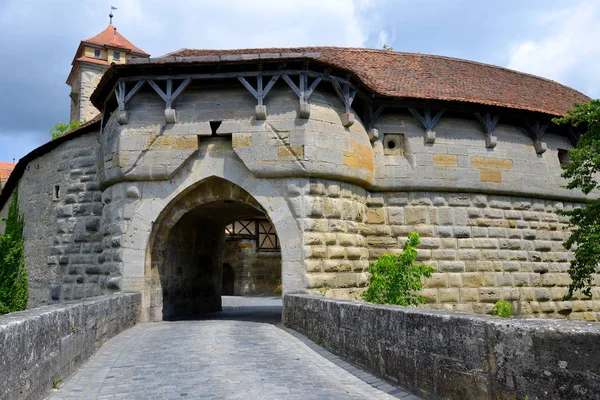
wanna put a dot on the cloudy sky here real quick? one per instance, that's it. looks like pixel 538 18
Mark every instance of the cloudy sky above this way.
pixel 556 39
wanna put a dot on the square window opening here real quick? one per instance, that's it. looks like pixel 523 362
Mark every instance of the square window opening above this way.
pixel 97 53
pixel 116 55
pixel 563 157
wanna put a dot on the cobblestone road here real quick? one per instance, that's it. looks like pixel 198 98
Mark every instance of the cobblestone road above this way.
pixel 240 353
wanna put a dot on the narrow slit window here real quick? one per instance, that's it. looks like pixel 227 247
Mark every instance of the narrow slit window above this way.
pixel 56 193
pixel 214 125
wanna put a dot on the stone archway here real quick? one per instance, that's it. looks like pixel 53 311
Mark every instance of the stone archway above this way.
pixel 185 250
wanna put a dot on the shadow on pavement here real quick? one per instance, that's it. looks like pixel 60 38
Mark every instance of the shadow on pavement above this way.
pixel 241 308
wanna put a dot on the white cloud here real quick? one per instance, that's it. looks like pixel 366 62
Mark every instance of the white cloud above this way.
pixel 36 78
pixel 569 53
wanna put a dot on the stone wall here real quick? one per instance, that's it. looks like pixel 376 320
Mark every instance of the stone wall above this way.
pixel 82 108
pixel 49 343
pixel 484 248
pixel 61 201
pixel 255 272
pixel 443 355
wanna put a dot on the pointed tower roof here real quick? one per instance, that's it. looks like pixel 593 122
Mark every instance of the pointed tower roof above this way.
pixel 112 38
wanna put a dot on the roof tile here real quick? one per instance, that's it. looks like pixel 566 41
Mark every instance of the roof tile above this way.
pixel 423 76
pixel 111 37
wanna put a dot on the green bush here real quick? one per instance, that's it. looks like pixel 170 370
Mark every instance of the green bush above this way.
pixel 396 279
pixel 13 275
pixel 502 309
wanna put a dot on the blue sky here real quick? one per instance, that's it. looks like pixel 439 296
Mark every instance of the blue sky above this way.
pixel 556 39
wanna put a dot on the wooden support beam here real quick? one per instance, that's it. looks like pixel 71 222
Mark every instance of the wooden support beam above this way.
pixel 536 130
pixel 488 123
pixel 182 86
pixel 248 86
pixel 157 89
pixel 291 84
pixel 133 91
pixel 426 119
pixel 345 93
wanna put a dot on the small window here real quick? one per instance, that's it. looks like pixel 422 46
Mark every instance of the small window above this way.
pixel 563 157
pixel 116 55
pixel 393 144
pixel 56 193
pixel 97 53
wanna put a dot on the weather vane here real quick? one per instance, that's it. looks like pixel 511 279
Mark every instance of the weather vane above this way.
pixel 111 14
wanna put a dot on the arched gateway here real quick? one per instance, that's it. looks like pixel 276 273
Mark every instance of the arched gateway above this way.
pixel 186 249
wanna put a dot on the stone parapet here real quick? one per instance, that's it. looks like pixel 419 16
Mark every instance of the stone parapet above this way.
pixel 442 355
pixel 44 346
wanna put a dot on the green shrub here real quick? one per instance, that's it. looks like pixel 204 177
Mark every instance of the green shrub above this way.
pixel 502 309
pixel 13 275
pixel 396 279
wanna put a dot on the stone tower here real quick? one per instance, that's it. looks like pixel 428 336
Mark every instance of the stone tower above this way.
pixel 93 57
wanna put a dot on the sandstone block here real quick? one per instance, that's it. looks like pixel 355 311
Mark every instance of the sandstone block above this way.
pixel 437 280
pixel 472 279
pixel 451 266
pixel 449 295
pixel 416 215
pixel 376 216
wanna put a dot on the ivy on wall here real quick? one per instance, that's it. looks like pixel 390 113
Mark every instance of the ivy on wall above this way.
pixel 13 275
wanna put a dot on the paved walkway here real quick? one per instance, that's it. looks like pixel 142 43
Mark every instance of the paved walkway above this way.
pixel 240 353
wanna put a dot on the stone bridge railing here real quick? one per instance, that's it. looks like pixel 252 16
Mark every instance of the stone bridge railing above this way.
pixel 445 355
pixel 43 346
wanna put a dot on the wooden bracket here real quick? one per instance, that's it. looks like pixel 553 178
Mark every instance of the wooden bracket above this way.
pixel 347 96
pixel 170 96
pixel 537 132
pixel 123 98
pixel 303 92
pixel 370 117
pixel 488 123
pixel 259 93
pixel 428 122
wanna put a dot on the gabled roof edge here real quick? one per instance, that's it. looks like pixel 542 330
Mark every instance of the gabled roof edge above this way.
pixel 17 173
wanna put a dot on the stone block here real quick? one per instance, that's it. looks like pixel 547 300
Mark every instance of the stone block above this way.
pixel 373 134
pixel 376 216
pixel 437 280
pixel 347 119
pixel 491 163
pixel 486 175
pixel 304 111
pixel 445 160
pixel 122 117
pixel 491 142
pixel 260 112
pixel 416 215
pixel 429 137
pixel 449 295
pixel 540 147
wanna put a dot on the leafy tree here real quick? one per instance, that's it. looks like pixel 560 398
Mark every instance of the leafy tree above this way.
pixel 396 279
pixel 582 172
pixel 61 128
pixel 13 275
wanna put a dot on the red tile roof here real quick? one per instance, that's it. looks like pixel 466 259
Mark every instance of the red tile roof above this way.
pixel 93 60
pixel 111 37
pixel 422 76
pixel 6 169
